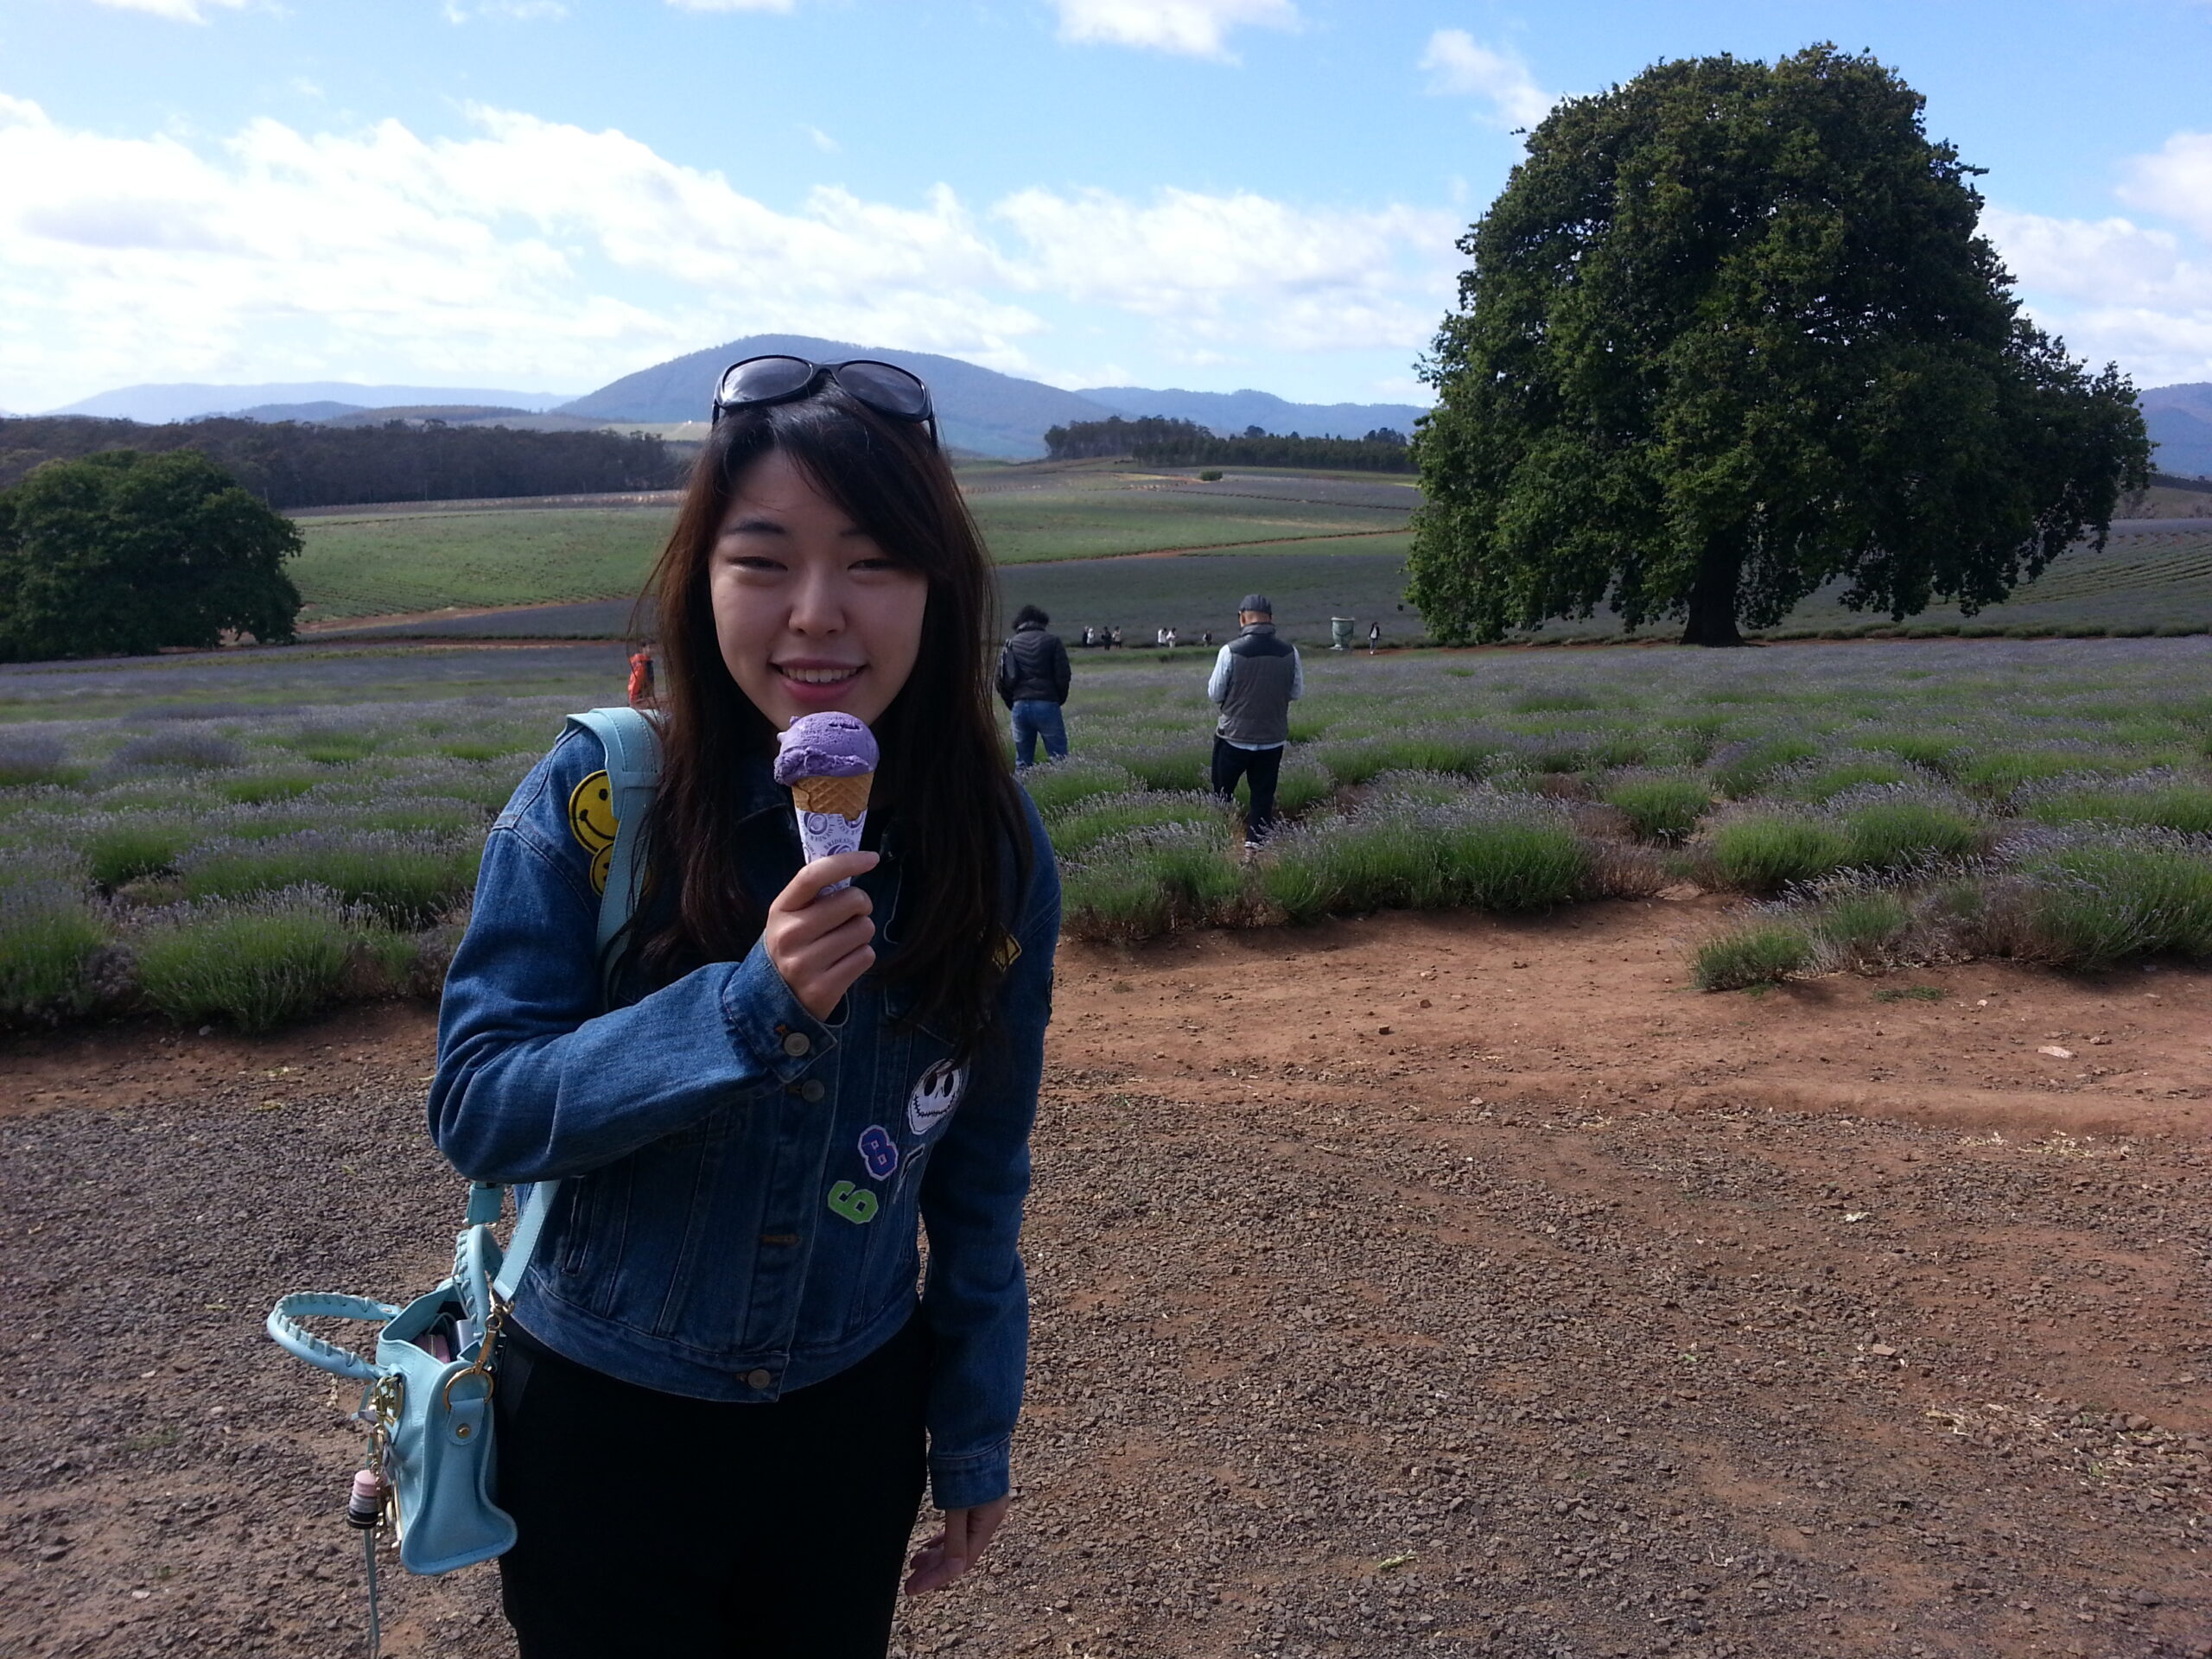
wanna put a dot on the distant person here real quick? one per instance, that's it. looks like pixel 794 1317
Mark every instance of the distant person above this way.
pixel 1207 637
pixel 1088 639
pixel 641 679
pixel 1373 638
pixel 1255 679
pixel 1033 675
pixel 1169 641
pixel 1160 636
pixel 1114 643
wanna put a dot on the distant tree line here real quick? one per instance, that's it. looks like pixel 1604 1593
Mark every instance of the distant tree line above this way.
pixel 1114 436
pixel 298 464
pixel 1159 442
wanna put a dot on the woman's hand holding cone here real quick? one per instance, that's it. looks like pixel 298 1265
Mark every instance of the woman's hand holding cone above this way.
pixel 822 942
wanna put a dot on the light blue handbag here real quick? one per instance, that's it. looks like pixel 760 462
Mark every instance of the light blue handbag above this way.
pixel 427 1399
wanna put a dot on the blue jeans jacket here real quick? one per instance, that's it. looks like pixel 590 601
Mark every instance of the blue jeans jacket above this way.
pixel 742 1181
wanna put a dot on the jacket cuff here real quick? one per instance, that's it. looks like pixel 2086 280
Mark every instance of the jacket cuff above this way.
pixel 768 1023
pixel 974 1477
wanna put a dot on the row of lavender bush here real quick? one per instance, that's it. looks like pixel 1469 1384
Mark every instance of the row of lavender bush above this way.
pixel 1881 802
pixel 241 865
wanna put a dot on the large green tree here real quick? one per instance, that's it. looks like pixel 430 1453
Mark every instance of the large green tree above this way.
pixel 1729 334
pixel 120 554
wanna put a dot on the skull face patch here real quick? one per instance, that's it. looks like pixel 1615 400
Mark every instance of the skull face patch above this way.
pixel 935 1095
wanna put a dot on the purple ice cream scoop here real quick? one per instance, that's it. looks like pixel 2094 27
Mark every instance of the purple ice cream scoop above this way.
pixel 825 746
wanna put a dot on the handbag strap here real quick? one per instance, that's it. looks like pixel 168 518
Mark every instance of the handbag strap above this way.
pixel 527 1226
pixel 284 1324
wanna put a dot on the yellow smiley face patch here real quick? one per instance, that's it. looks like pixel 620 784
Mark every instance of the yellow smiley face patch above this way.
pixel 593 823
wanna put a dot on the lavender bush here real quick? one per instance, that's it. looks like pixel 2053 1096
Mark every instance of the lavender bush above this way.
pixel 1998 792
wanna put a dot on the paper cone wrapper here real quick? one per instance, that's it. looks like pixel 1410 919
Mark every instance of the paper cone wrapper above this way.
pixel 831 811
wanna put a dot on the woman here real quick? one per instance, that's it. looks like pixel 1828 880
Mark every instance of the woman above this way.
pixel 720 1397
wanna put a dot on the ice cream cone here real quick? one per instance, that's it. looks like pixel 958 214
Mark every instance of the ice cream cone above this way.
pixel 827 761
pixel 845 797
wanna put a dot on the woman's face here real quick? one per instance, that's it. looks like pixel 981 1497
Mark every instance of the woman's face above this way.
pixel 809 613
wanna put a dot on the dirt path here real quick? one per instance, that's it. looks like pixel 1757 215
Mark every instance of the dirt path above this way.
pixel 1570 1313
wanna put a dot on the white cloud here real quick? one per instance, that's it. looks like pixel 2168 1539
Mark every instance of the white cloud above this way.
pixel 732 5
pixel 1198 28
pixel 822 141
pixel 2119 289
pixel 2176 182
pixel 181 11
pixel 1243 266
pixel 530 252
pixel 1458 65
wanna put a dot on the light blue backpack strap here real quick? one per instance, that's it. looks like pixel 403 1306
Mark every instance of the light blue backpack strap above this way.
pixel 633 749
pixel 633 773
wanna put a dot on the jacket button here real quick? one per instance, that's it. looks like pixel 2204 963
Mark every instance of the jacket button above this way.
pixel 797 1044
pixel 811 1090
pixel 758 1379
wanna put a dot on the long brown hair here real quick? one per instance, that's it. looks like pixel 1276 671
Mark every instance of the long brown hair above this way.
pixel 961 834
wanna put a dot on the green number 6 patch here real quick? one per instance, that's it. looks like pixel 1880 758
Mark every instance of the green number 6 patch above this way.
pixel 854 1203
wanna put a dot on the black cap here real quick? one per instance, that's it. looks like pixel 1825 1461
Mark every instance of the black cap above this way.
pixel 1259 602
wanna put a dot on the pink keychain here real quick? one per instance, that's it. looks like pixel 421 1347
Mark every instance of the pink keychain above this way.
pixel 365 1507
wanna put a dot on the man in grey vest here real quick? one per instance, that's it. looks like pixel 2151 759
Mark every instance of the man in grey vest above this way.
pixel 1254 680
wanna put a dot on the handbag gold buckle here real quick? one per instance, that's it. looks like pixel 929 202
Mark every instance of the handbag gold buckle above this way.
pixel 481 1365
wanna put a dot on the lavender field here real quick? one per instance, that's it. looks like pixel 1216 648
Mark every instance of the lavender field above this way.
pixel 242 838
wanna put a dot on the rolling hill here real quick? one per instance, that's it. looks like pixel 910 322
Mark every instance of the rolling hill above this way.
pixel 977 410
pixel 1230 412
pixel 160 403
pixel 2180 421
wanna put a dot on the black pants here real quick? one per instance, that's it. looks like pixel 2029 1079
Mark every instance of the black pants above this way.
pixel 654 1524
pixel 1260 767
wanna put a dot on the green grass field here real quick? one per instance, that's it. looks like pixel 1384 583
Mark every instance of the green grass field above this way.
pixel 400 563
pixel 385 564
pixel 1320 545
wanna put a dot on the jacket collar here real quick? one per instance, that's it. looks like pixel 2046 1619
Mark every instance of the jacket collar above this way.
pixel 756 788
pixel 1257 627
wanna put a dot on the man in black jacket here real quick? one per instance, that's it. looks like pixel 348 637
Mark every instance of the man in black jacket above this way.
pixel 1033 676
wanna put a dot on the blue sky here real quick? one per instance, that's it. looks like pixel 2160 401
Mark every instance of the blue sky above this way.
pixel 546 193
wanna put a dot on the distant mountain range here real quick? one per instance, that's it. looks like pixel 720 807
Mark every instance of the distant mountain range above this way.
pixel 1230 412
pixel 185 403
pixel 979 410
pixel 2180 422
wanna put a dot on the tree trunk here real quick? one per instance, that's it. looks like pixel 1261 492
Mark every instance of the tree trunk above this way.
pixel 1713 601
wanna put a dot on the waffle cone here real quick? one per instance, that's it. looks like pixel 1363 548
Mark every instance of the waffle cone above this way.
pixel 846 797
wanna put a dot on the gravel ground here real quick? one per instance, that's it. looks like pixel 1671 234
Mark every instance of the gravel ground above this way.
pixel 1330 1360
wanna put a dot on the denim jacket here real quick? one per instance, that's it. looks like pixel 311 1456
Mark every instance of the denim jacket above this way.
pixel 742 1181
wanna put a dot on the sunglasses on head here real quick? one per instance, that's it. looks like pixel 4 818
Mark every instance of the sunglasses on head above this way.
pixel 884 388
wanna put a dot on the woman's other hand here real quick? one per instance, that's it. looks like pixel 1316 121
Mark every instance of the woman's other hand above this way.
pixel 967 1534
pixel 820 943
